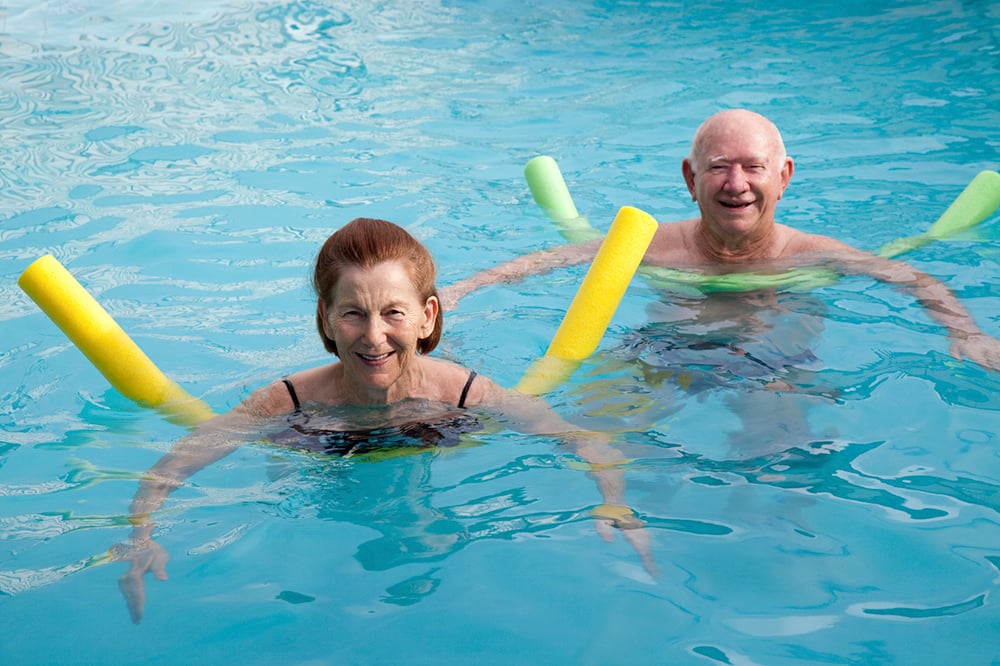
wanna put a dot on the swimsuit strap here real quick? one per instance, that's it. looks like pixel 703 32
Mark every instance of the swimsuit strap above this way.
pixel 465 389
pixel 291 392
pixel 298 408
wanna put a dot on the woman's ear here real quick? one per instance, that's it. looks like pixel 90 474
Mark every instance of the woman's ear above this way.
pixel 431 308
pixel 321 313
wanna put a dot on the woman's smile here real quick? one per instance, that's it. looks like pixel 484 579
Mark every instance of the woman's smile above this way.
pixel 377 318
pixel 375 359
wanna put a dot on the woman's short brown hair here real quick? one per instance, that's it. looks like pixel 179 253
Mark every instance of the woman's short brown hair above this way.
pixel 365 242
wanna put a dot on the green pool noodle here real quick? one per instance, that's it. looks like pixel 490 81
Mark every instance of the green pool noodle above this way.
pixel 548 189
pixel 978 201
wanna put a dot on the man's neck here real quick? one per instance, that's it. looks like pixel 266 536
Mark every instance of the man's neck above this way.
pixel 717 248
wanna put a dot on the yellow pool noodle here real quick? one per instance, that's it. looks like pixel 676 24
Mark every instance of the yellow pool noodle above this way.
pixel 595 302
pixel 547 373
pixel 105 344
pixel 604 285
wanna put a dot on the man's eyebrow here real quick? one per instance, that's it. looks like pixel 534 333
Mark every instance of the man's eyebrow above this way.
pixel 716 159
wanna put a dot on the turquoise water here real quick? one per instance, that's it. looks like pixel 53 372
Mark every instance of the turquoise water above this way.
pixel 185 160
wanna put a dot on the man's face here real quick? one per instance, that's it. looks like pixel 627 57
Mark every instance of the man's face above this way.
pixel 737 175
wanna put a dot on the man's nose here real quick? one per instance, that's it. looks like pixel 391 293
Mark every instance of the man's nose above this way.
pixel 736 179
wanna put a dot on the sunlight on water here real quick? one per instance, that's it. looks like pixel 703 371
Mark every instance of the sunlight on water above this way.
pixel 185 160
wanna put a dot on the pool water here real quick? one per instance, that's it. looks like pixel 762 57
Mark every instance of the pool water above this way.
pixel 185 161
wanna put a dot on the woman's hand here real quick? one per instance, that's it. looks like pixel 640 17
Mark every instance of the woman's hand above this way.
pixel 609 517
pixel 145 556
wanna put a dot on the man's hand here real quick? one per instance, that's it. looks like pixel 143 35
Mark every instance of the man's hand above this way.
pixel 979 348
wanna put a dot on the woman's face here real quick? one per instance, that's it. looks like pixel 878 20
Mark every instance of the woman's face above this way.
pixel 376 317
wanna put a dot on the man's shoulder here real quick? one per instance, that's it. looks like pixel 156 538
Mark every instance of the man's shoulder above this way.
pixel 671 242
pixel 678 226
pixel 799 242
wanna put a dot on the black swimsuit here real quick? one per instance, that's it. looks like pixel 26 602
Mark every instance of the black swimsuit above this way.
pixel 444 431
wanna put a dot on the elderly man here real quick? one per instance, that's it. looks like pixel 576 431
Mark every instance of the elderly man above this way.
pixel 737 172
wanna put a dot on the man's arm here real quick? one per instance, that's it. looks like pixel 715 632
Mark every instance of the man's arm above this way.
pixel 968 340
pixel 519 268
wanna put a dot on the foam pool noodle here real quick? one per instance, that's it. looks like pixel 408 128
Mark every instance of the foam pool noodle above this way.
pixel 979 200
pixel 105 344
pixel 595 302
pixel 549 191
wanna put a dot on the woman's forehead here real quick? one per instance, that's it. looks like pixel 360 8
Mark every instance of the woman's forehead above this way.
pixel 384 279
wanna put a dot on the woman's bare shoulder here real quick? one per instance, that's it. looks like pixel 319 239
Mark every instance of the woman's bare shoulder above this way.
pixel 318 384
pixel 449 380
pixel 272 399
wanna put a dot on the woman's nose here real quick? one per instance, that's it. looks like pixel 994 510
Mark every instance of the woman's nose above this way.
pixel 374 332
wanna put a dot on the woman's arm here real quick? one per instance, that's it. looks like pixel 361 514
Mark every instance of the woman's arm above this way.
pixel 212 441
pixel 531 414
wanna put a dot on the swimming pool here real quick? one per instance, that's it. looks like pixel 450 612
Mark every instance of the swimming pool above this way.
pixel 184 160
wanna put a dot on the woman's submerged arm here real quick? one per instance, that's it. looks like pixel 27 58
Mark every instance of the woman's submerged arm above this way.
pixel 606 465
pixel 211 442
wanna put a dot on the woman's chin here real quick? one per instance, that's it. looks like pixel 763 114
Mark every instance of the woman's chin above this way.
pixel 376 380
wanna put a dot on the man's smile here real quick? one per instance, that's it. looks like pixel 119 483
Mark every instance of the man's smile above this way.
pixel 736 205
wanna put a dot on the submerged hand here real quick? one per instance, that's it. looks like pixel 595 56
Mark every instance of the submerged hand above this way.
pixel 611 516
pixel 979 348
pixel 147 557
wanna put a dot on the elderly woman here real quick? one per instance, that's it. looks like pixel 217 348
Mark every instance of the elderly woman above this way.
pixel 378 311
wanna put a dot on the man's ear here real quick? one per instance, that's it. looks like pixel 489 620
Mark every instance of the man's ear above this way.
pixel 688 172
pixel 787 169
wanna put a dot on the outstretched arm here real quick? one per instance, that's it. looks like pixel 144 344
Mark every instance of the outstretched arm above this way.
pixel 519 268
pixel 533 415
pixel 967 339
pixel 212 441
